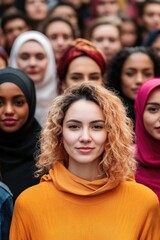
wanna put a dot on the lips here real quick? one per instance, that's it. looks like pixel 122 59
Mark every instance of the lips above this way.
pixel 85 149
pixel 9 122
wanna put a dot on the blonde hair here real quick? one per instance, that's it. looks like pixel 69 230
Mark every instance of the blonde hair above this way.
pixel 117 161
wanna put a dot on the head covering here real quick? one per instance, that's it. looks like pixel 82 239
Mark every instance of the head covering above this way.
pixel 150 39
pixel 4 55
pixel 17 148
pixel 147 147
pixel 46 90
pixel 81 47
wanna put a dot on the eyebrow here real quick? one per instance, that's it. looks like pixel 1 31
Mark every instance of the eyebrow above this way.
pixel 14 97
pixel 153 103
pixel 95 121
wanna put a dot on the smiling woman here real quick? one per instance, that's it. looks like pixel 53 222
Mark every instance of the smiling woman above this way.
pixel 147 108
pixel 87 155
pixel 19 130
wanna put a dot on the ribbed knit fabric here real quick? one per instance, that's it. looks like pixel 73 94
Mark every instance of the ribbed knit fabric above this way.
pixel 128 211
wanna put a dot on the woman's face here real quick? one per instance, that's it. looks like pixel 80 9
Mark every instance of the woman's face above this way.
pixel 128 34
pixel 61 36
pixel 151 115
pixel 78 72
pixel 107 38
pixel 32 59
pixel 137 69
pixel 151 17
pixel 36 9
pixel 84 138
pixel 107 7
pixel 14 109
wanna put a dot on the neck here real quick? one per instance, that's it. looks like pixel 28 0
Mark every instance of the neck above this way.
pixel 86 171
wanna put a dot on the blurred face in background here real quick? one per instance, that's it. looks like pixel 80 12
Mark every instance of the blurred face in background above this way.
pixel 13 29
pixel 32 59
pixel 107 38
pixel 151 17
pixel 128 34
pixel 61 36
pixel 137 69
pixel 107 7
pixel 36 9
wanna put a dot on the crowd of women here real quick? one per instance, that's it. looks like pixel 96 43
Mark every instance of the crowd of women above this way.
pixel 80 119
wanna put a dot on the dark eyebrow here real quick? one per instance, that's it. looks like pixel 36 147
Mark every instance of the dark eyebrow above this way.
pixel 95 121
pixel 153 103
pixel 14 97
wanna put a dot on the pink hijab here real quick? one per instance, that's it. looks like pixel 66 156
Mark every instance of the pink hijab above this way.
pixel 147 148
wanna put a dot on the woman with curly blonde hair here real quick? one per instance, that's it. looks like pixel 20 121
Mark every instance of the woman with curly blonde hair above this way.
pixel 87 190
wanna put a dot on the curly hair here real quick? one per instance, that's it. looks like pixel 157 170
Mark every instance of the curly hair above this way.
pixel 117 160
pixel 116 66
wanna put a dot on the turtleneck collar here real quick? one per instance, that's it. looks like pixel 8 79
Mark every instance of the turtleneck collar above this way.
pixel 65 181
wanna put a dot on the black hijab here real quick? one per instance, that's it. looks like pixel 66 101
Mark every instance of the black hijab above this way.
pixel 18 149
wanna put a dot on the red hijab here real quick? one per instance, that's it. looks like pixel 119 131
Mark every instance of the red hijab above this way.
pixel 147 147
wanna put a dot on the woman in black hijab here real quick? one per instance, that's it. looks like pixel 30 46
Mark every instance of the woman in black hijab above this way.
pixel 18 146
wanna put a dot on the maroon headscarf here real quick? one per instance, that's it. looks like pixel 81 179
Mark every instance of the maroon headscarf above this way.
pixel 80 47
pixel 147 147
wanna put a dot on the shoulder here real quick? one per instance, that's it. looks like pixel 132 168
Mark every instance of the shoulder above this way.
pixel 4 190
pixel 5 193
pixel 140 193
pixel 35 194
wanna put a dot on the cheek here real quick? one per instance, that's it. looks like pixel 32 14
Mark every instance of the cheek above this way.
pixel 148 120
pixel 44 64
pixel 22 64
pixel 101 139
pixel 25 113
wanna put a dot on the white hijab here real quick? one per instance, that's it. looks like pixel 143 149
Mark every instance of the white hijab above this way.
pixel 46 90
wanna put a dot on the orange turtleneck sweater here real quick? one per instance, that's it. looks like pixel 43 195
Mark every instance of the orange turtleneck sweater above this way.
pixel 63 206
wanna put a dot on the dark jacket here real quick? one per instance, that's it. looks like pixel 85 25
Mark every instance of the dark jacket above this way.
pixel 6 209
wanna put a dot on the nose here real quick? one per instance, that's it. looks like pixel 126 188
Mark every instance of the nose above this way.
pixel 32 61
pixel 85 136
pixel 139 79
pixel 106 44
pixel 60 41
pixel 9 110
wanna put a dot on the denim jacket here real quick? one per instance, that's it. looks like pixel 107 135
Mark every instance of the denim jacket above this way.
pixel 6 209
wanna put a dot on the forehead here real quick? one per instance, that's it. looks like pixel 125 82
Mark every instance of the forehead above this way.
pixel 58 26
pixel 84 110
pixel 9 88
pixel 79 65
pixel 139 59
pixel 155 7
pixel 15 22
pixel 64 10
pixel 106 29
pixel 31 45
pixel 154 95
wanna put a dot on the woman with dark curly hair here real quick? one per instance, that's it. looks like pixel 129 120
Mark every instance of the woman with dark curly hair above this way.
pixel 128 70
pixel 88 191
